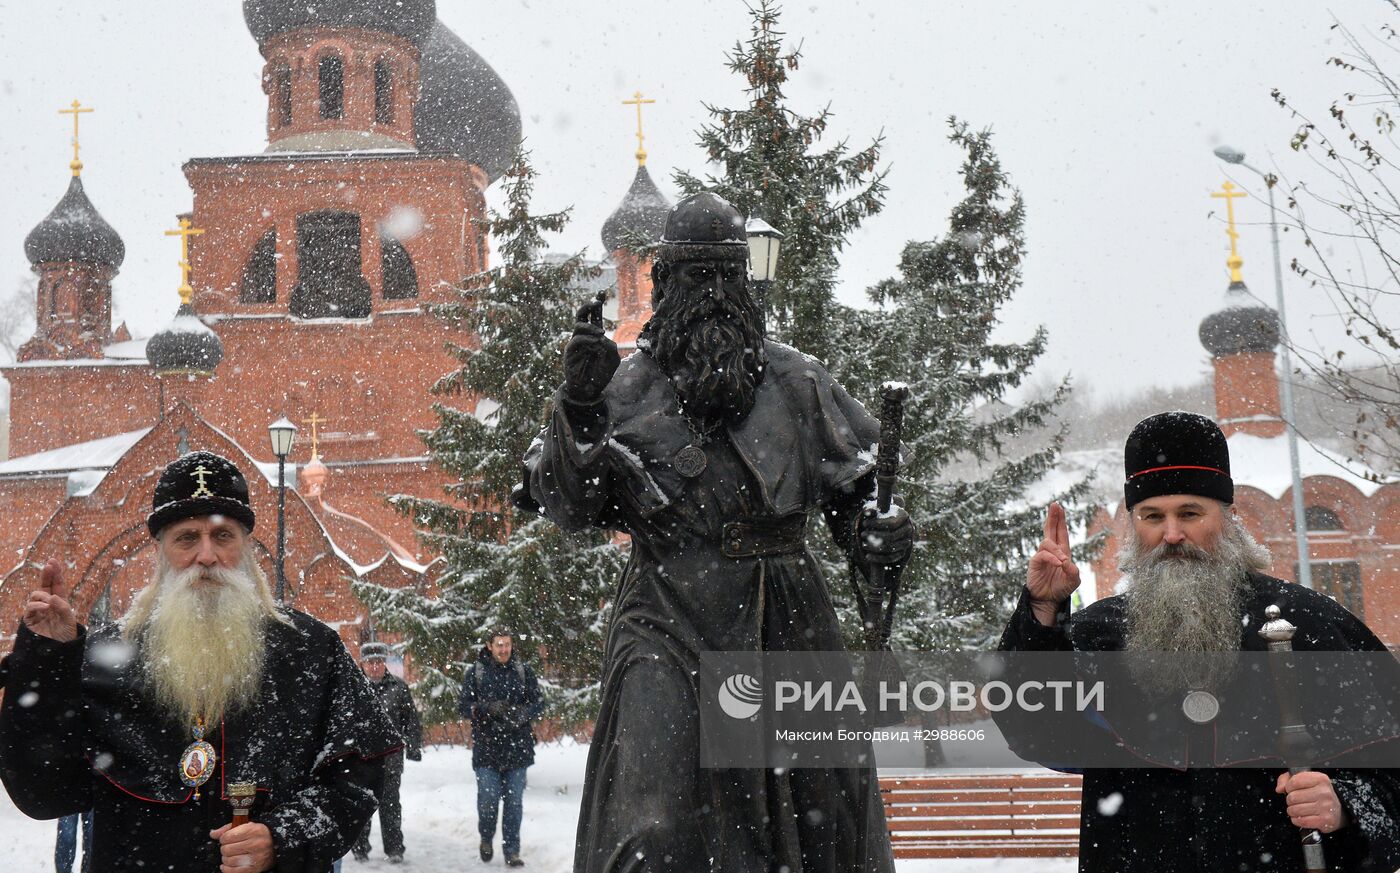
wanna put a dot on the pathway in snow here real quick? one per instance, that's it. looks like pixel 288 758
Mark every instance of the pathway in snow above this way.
pixel 439 797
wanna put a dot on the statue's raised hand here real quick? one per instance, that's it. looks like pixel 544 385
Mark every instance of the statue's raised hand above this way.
pixel 48 613
pixel 590 358
pixel 1052 575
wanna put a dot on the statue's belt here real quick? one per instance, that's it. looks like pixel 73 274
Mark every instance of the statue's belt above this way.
pixel 761 537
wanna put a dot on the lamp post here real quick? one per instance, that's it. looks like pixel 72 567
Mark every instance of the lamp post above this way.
pixel 281 432
pixel 1300 522
pixel 764 242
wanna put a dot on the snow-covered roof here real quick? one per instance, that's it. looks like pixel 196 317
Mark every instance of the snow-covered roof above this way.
pixel 98 454
pixel 133 350
pixel 1262 462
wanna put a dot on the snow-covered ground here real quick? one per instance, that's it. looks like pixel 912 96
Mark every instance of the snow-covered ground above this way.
pixel 439 798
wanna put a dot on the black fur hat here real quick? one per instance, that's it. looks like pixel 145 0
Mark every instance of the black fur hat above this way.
pixel 199 483
pixel 1177 453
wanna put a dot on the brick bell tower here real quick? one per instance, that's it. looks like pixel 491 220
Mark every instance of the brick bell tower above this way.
pixel 640 217
pixel 75 254
pixel 1241 338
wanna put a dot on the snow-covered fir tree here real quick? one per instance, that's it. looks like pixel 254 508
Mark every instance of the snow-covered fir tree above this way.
pixel 934 328
pixel 771 166
pixel 504 567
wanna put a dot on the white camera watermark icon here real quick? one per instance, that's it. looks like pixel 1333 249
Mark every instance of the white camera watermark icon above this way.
pixel 741 696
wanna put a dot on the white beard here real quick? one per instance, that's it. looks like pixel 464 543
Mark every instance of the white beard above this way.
pixel 202 642
pixel 1187 602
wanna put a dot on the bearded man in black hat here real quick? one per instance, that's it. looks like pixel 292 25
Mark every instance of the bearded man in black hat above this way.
pixel 711 447
pixel 204 684
pixel 1195 590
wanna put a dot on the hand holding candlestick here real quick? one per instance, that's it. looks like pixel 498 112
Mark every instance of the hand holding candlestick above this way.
pixel 241 796
pixel 1294 741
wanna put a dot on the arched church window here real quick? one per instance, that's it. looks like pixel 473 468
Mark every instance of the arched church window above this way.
pixel 400 278
pixel 282 94
pixel 329 281
pixel 331 71
pixel 260 272
pixel 383 93
pixel 1321 518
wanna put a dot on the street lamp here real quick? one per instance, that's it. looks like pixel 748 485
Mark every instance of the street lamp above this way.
pixel 764 242
pixel 281 432
pixel 1300 523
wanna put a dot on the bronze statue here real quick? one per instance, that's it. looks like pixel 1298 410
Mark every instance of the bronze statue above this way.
pixel 712 447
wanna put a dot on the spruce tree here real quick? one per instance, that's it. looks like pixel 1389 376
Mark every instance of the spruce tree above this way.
pixel 965 490
pixel 771 166
pixel 504 567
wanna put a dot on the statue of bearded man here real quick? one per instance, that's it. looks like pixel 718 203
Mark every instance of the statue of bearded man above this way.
pixel 711 447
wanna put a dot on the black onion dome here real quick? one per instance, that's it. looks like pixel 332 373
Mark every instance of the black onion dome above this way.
pixel 186 346
pixel 464 107
pixel 410 19
pixel 1244 325
pixel 643 211
pixel 74 231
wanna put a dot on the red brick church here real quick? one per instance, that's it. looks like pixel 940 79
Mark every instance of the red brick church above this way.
pixel 303 295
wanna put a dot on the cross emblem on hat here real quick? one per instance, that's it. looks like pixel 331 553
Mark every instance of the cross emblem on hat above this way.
pixel 203 490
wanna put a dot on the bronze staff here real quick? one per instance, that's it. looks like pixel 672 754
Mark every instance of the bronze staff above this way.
pixel 1294 741
pixel 876 614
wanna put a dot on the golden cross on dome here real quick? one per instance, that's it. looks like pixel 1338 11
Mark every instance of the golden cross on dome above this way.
pixel 203 490
pixel 75 109
pixel 637 101
pixel 315 420
pixel 1234 262
pixel 184 233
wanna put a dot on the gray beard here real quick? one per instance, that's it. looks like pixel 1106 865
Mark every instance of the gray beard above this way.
pixel 1187 602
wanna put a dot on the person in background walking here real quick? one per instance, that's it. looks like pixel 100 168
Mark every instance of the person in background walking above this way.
pixel 501 697
pixel 398 703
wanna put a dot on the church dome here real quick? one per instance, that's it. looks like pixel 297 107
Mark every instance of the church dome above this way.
pixel 464 107
pixel 186 346
pixel 410 19
pixel 1243 325
pixel 74 231
pixel 642 211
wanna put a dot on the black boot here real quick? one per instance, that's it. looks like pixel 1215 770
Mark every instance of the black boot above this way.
pixel 486 851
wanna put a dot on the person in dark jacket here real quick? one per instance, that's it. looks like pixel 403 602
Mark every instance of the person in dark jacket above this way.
pixel 1194 585
pixel 398 703
pixel 205 682
pixel 501 697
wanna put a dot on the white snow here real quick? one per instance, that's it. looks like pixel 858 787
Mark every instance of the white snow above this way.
pixel 188 324
pixel 131 350
pixel 1262 462
pixel 99 454
pixel 439 800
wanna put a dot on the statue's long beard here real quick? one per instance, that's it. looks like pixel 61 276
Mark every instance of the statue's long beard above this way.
pixel 1188 602
pixel 202 642
pixel 711 349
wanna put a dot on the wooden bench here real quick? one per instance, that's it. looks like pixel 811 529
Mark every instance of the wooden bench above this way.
pixel 1002 815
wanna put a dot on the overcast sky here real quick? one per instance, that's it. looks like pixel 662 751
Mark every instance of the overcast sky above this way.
pixel 1105 115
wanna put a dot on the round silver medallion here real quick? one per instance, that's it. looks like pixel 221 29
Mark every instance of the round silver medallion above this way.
pixel 1201 707
pixel 690 461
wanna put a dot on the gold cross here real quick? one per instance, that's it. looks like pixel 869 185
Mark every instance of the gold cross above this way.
pixel 203 490
pixel 75 110
pixel 184 233
pixel 314 421
pixel 1234 262
pixel 637 101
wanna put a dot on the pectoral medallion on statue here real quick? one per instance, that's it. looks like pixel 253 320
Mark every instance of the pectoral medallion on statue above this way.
pixel 197 762
pixel 1201 707
pixel 690 461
